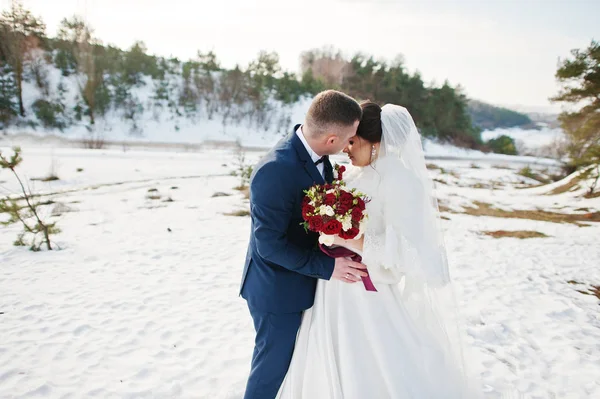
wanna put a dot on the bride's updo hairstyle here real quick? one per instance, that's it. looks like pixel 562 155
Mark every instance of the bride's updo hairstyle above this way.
pixel 370 124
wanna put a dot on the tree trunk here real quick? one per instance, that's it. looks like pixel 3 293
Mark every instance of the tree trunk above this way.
pixel 19 80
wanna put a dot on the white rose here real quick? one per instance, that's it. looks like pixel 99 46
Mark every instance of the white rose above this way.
pixel 326 210
pixel 326 239
pixel 347 223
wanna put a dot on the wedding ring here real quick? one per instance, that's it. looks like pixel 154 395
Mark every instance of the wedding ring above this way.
pixel 348 276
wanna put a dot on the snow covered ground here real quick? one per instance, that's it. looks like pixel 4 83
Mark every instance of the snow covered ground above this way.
pixel 141 300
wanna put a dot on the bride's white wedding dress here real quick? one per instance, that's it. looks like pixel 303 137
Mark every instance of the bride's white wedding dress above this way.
pixel 355 344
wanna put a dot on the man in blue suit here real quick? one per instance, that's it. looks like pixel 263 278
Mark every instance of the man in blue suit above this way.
pixel 283 261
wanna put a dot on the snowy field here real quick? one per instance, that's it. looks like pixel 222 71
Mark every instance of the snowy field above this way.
pixel 141 300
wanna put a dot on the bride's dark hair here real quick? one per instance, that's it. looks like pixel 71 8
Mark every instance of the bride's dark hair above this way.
pixel 369 127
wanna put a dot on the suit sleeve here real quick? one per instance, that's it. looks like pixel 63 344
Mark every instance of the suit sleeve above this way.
pixel 272 196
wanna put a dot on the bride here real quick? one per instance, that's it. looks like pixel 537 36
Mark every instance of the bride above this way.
pixel 401 341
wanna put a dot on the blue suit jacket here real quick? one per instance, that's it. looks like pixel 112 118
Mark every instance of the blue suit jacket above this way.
pixel 283 261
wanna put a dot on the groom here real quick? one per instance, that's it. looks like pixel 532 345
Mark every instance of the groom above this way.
pixel 283 262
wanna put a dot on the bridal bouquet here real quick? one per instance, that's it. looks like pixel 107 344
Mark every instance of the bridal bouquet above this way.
pixel 334 210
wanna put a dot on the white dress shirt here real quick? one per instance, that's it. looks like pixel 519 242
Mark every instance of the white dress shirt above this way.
pixel 313 155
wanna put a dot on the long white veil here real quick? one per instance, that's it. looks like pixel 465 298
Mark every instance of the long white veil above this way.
pixel 428 291
pixel 401 140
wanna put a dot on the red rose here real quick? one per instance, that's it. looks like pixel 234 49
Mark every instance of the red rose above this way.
pixel 342 209
pixel 361 204
pixel 327 187
pixel 350 234
pixel 315 223
pixel 357 214
pixel 332 227
pixel 341 170
pixel 346 199
pixel 330 199
pixel 306 209
pixel 305 200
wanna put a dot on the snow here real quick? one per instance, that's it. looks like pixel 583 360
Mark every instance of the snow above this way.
pixel 157 122
pixel 436 150
pixel 141 301
pixel 530 140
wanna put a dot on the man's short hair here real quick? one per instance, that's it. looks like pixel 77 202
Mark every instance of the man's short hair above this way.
pixel 332 108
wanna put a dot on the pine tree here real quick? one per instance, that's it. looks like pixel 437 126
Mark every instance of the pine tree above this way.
pixel 20 32
pixel 25 210
pixel 8 96
pixel 91 79
pixel 580 76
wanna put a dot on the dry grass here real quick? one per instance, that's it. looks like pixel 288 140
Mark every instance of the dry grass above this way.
pixel 570 185
pixel 522 234
pixel 444 208
pixel 593 290
pixel 240 213
pixel 523 186
pixel 220 194
pixel 582 210
pixel 432 166
pixel 246 192
pixel 484 209
pixel 530 174
pixel 45 179
pixel 479 185
pixel 592 195
pixel 95 141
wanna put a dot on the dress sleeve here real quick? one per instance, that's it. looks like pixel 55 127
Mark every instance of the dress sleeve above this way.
pixel 381 246
pixel 405 241
pixel 377 255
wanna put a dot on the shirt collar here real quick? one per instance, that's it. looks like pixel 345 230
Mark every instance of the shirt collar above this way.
pixel 313 155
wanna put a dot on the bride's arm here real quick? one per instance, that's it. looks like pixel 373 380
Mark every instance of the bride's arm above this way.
pixel 381 245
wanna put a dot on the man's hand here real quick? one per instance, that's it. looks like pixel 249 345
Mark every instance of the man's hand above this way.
pixel 348 271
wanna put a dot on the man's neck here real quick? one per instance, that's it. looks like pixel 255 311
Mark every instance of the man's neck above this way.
pixel 309 140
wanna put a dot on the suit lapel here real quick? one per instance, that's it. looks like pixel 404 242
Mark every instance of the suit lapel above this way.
pixel 305 158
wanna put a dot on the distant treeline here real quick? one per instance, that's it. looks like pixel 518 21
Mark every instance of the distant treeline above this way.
pixel 105 79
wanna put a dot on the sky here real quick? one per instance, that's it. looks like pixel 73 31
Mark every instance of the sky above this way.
pixel 504 52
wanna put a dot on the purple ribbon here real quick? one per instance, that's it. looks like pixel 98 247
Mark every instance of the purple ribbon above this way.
pixel 343 252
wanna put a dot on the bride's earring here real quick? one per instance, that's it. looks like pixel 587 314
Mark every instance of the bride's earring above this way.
pixel 373 153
